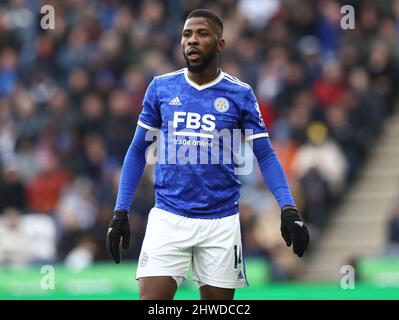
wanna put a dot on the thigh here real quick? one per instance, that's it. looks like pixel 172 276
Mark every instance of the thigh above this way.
pixel 213 293
pixel 218 260
pixel 165 251
pixel 157 288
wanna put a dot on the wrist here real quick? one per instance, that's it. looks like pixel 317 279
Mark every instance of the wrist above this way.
pixel 120 213
pixel 289 211
pixel 289 208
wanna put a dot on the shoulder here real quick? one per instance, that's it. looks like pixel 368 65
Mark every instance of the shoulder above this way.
pixel 170 75
pixel 237 83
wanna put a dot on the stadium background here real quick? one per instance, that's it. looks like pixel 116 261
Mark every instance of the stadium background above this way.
pixel 69 102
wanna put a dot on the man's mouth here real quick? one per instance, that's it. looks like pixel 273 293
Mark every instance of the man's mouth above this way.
pixel 193 54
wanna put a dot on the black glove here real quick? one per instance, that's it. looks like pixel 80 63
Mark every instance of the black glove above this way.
pixel 118 227
pixel 294 230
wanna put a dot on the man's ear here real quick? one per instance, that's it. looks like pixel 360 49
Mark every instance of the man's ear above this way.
pixel 221 44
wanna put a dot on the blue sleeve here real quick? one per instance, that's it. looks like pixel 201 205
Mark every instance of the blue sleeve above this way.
pixel 272 172
pixel 132 169
pixel 150 116
pixel 252 124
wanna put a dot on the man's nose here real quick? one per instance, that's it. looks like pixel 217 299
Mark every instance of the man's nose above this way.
pixel 192 41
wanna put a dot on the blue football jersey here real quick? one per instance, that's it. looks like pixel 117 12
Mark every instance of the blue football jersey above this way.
pixel 199 129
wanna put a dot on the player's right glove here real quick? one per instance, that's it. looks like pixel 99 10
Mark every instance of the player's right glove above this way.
pixel 294 231
pixel 118 228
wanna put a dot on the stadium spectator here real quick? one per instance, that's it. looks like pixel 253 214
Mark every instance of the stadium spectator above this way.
pixel 81 256
pixel 392 241
pixel 45 189
pixel 12 189
pixel 15 250
pixel 321 166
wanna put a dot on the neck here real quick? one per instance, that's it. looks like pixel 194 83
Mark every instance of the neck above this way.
pixel 208 75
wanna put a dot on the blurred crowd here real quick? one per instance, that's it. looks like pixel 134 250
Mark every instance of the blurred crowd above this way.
pixel 70 98
pixel 391 245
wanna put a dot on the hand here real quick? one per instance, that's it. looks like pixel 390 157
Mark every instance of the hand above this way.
pixel 118 228
pixel 294 230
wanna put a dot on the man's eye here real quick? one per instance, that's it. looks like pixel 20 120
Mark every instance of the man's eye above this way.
pixel 203 34
pixel 186 35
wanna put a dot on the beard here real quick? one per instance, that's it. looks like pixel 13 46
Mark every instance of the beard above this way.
pixel 206 60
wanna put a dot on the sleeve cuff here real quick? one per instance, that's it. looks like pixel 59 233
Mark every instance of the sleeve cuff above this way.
pixel 257 135
pixel 145 126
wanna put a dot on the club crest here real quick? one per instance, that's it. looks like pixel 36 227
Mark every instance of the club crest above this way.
pixel 221 104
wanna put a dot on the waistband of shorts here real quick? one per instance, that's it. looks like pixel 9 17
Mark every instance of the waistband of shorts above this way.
pixel 195 216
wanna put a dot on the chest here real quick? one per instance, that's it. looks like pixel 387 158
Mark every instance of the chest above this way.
pixel 199 110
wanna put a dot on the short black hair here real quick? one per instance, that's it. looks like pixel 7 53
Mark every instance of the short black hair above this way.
pixel 204 13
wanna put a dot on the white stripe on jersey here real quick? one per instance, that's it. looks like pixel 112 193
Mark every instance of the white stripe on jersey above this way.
pixel 171 73
pixel 145 126
pixel 257 135
pixel 236 81
pixel 193 134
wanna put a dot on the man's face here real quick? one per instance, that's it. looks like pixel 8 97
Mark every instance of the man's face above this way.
pixel 200 42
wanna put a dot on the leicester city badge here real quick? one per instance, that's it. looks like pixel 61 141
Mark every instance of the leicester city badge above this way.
pixel 221 104
pixel 143 259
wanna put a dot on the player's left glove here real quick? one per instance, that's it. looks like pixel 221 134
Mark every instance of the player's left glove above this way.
pixel 294 231
pixel 118 228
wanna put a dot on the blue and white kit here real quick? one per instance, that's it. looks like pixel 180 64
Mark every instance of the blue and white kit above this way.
pixel 195 220
pixel 182 109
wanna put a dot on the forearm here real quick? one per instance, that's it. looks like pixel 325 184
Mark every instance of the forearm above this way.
pixel 272 172
pixel 132 169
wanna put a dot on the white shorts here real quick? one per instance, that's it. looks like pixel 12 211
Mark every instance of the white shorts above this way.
pixel 213 246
